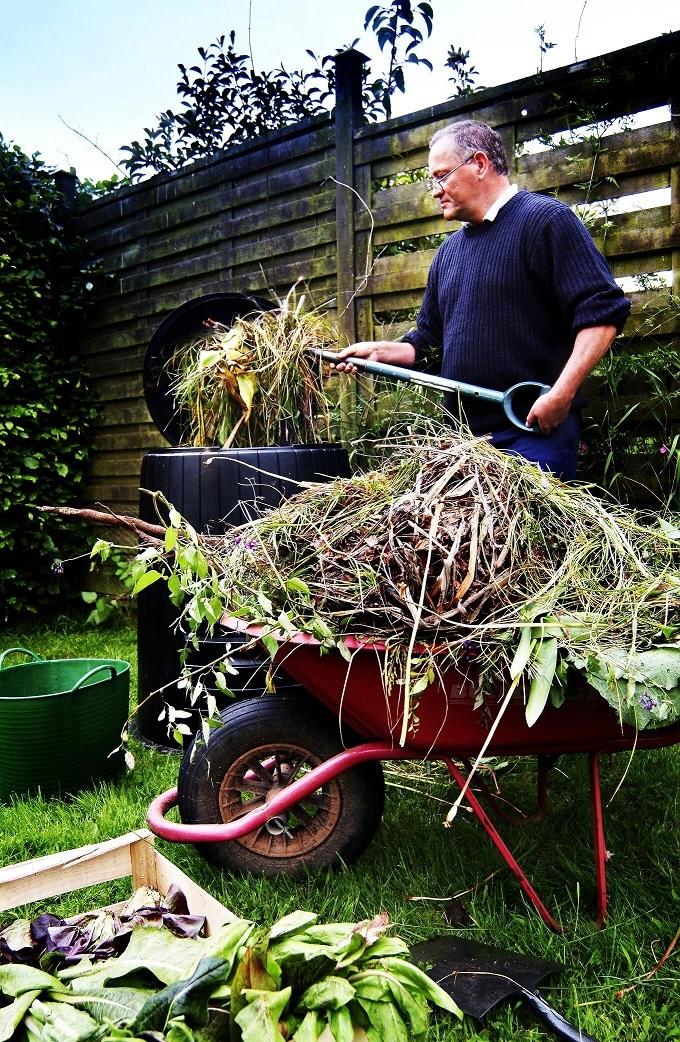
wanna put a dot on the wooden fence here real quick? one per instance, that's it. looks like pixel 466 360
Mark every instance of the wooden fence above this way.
pixel 338 204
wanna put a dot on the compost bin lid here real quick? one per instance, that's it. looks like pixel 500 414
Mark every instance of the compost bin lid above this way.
pixel 181 325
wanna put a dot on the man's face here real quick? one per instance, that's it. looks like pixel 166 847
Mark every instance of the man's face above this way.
pixel 460 190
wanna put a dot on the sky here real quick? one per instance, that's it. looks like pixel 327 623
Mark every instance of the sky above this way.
pixel 105 70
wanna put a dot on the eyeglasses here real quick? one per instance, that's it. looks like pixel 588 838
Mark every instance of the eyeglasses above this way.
pixel 438 182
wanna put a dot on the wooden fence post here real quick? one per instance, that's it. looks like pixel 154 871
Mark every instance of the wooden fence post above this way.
pixel 675 191
pixel 348 116
pixel 65 181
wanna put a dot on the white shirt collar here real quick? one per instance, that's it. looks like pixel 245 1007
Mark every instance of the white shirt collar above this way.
pixel 492 213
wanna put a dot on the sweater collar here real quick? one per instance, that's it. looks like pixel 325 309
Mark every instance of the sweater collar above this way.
pixel 493 211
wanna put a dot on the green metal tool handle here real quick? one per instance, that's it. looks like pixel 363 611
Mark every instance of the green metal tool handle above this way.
pixel 412 376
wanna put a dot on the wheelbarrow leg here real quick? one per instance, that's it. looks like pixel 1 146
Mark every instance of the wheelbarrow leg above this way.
pixel 502 847
pixel 543 765
pixel 599 845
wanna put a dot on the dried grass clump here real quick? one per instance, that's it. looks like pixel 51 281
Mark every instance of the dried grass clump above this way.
pixel 451 536
pixel 451 543
pixel 256 382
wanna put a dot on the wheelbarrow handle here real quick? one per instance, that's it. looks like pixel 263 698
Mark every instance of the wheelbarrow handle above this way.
pixel 23 651
pixel 441 383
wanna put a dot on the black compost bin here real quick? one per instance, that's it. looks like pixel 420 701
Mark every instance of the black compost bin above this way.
pixel 213 489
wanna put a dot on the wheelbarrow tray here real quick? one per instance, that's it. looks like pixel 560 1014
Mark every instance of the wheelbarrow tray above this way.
pixel 448 722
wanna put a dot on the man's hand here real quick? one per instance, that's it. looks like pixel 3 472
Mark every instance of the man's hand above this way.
pixel 591 344
pixel 394 352
pixel 549 411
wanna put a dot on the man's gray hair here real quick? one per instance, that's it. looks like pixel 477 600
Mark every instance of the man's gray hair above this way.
pixel 468 137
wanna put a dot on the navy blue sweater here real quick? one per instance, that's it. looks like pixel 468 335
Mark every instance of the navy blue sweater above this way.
pixel 505 299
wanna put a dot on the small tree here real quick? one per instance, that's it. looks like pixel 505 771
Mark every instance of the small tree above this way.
pixel 46 409
pixel 225 101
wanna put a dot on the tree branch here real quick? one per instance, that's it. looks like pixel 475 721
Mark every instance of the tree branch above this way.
pixel 142 529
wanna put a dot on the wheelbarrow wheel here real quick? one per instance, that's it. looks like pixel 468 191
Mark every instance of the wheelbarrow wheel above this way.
pixel 263 745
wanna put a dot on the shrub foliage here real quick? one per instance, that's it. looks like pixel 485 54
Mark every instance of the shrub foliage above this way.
pixel 46 408
pixel 225 101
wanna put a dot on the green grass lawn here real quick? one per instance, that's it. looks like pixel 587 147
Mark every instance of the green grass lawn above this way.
pixel 414 856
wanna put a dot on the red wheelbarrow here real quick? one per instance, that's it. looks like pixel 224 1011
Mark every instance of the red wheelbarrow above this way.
pixel 294 782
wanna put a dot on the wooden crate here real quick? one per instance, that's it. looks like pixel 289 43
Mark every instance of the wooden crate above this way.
pixel 131 855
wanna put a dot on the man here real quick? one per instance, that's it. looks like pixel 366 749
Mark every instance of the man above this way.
pixel 520 292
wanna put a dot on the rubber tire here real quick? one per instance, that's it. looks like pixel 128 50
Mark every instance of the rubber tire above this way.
pixel 266 721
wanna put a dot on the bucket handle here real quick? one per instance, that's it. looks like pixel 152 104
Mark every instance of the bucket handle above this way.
pixel 104 665
pixel 24 651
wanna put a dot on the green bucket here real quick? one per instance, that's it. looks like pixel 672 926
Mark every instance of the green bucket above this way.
pixel 60 722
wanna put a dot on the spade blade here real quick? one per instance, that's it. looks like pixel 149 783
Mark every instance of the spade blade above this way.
pixel 478 976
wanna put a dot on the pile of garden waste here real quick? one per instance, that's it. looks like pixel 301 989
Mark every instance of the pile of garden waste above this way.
pixel 244 982
pixel 449 543
pixel 255 382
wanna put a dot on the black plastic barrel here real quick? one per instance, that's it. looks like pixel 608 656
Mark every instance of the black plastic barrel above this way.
pixel 213 489
pixel 187 322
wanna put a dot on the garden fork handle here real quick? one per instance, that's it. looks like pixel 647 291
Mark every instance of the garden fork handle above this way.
pixel 412 376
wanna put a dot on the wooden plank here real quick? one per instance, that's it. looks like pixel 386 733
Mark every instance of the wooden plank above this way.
pixel 650 233
pixel 228 199
pixel 411 152
pixel 568 123
pixel 287 273
pixel 282 146
pixel 400 143
pixel 67 870
pixel 548 171
pixel 139 438
pixel 622 186
pixel 264 218
pixel 116 464
pixel 644 149
pixel 641 73
pixel 216 209
pixel 404 271
pixel 259 279
pixel 116 337
pixel 119 387
pixel 174 265
pixel 392 330
pixel 113 493
pixel 248 185
pixel 397 301
pixel 204 234
pixel 122 413
pixel 131 855
pixel 140 306
pixel 421 233
pixel 119 363
pixel 200 902
pixel 636 265
pixel 172 269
